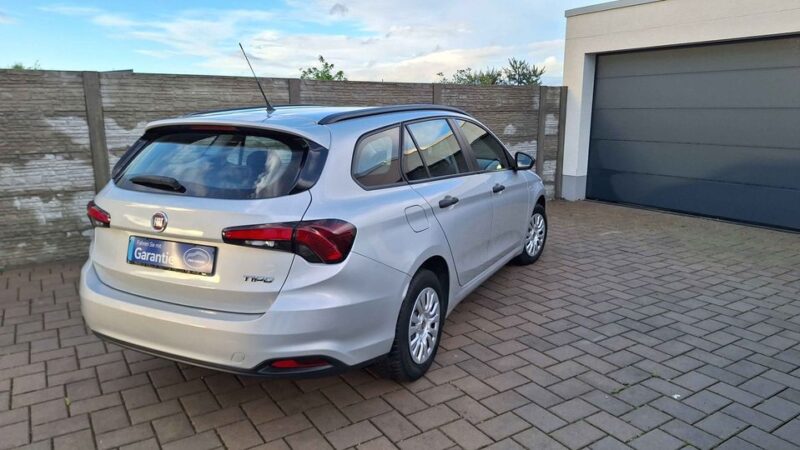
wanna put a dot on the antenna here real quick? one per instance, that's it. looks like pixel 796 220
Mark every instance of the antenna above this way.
pixel 269 106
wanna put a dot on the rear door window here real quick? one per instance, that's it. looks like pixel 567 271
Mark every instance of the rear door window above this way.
pixel 439 147
pixel 377 159
pixel 413 166
pixel 489 152
pixel 213 164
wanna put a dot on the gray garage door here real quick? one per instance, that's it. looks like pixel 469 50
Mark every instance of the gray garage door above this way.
pixel 711 130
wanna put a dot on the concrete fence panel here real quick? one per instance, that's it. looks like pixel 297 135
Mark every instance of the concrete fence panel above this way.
pixel 46 174
pixel 63 131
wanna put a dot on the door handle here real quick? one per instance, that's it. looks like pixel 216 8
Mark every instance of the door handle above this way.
pixel 498 188
pixel 448 201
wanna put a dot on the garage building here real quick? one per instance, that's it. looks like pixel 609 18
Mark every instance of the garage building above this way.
pixel 686 106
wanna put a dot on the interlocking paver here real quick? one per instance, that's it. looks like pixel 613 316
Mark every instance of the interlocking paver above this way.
pixel 504 401
pixel 433 417
pixel 200 441
pixel 395 426
pixel 74 441
pixel 172 428
pixel 284 426
pixel 470 409
pixel 14 435
pixel 635 328
pixel 466 435
pixel 656 439
pixel 503 426
pixel 109 419
pixel 614 426
pixel 763 439
pixel 305 439
pixel 327 418
pixel 707 401
pixel 353 435
pixel 691 435
pixel 751 416
pixel 573 410
pixel 790 431
pixel 533 438
pixel 721 425
pixel 124 436
pixel 646 418
pixel 430 440
pixel 578 434
pixel 779 408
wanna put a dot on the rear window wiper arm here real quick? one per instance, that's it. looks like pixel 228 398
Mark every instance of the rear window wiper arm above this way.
pixel 158 182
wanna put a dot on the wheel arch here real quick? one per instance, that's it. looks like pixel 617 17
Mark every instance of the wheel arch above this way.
pixel 442 268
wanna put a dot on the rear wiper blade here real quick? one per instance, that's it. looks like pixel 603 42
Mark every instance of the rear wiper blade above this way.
pixel 159 182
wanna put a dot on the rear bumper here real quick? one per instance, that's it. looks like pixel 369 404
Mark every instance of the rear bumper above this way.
pixel 262 370
pixel 348 319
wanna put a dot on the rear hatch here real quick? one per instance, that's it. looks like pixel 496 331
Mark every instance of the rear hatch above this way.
pixel 176 193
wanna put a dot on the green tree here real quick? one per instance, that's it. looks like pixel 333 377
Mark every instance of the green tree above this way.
pixel 485 77
pixel 518 72
pixel 20 66
pixel 323 72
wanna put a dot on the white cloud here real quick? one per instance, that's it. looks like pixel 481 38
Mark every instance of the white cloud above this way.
pixel 5 19
pixel 111 20
pixel 374 40
pixel 70 10
pixel 338 9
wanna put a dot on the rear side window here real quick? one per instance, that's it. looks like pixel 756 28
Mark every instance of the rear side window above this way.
pixel 487 149
pixel 439 147
pixel 377 159
pixel 226 165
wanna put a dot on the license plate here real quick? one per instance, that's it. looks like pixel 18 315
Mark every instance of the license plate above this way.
pixel 170 255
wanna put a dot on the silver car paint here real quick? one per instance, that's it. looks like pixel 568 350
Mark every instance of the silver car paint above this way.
pixel 313 312
pixel 200 221
pixel 395 243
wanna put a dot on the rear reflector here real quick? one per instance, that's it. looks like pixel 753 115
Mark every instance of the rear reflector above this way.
pixel 97 215
pixel 299 363
pixel 327 241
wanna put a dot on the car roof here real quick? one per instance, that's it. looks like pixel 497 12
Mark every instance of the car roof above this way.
pixel 307 121
pixel 297 116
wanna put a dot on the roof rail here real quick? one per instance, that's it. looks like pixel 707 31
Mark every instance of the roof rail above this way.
pixel 366 112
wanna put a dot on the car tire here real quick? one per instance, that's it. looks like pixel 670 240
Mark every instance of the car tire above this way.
pixel 405 362
pixel 535 238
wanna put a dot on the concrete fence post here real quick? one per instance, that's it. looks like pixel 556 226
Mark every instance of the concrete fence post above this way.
pixel 294 91
pixel 562 119
pixel 540 131
pixel 436 93
pixel 97 129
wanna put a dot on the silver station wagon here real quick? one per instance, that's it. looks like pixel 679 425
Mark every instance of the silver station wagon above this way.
pixel 305 240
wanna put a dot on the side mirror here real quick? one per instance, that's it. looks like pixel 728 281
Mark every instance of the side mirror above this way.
pixel 523 161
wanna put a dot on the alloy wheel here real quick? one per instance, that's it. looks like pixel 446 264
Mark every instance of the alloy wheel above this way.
pixel 537 229
pixel 423 326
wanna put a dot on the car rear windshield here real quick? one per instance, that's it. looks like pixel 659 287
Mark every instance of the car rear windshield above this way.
pixel 214 164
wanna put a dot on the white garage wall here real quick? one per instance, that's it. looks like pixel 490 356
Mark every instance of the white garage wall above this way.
pixel 637 24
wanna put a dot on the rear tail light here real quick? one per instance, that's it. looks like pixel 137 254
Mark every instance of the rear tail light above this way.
pixel 304 363
pixel 97 216
pixel 327 241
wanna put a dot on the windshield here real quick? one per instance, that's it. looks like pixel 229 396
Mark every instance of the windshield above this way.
pixel 229 165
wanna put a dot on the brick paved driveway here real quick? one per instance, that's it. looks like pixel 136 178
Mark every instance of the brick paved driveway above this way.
pixel 636 328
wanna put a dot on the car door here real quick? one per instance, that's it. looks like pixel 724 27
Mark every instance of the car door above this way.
pixel 510 191
pixel 439 169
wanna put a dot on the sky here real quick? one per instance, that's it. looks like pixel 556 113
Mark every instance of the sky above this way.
pixel 374 40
